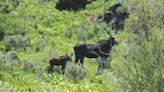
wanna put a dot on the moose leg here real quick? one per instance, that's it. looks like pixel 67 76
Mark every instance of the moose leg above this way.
pixel 63 69
pixel 81 61
pixel 50 69
pixel 104 60
pixel 101 63
pixel 76 60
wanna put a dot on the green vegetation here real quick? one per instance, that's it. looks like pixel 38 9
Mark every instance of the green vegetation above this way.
pixel 33 31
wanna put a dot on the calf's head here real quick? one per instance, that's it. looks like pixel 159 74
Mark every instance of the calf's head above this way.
pixel 68 58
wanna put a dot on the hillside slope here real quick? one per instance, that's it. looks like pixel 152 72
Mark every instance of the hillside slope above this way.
pixel 33 31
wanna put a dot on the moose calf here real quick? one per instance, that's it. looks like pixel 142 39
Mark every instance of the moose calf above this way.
pixel 59 61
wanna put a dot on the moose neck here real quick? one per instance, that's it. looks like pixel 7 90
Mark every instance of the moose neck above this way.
pixel 110 43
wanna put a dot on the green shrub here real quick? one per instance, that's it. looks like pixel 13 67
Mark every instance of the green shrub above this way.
pixel 111 82
pixel 2 58
pixel 86 30
pixel 14 42
pixel 2 47
pixel 5 7
pixel 40 44
pixel 33 67
pixel 9 57
pixel 1 35
pixel 138 61
pixel 75 71
pixel 10 61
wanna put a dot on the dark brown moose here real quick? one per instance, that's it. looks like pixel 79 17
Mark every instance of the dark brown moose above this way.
pixel 100 49
pixel 59 61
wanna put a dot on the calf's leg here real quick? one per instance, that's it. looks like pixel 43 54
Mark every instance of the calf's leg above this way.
pixel 63 69
pixel 50 69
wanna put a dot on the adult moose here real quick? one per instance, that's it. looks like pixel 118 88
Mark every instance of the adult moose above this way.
pixel 100 49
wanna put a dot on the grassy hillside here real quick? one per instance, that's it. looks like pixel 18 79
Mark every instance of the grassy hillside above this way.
pixel 33 31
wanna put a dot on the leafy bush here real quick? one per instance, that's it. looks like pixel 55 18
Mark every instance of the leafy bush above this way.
pixel 40 44
pixel 14 42
pixel 2 56
pixel 86 30
pixel 75 71
pixel 33 67
pixel 5 86
pixel 10 61
pixel 2 47
pixel 1 35
pixel 9 57
pixel 111 82
pixel 5 7
pixel 139 59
